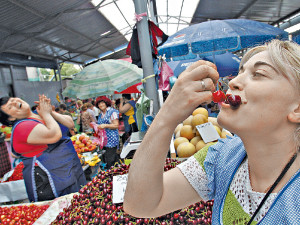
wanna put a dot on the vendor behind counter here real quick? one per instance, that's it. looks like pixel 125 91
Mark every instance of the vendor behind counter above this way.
pixel 47 154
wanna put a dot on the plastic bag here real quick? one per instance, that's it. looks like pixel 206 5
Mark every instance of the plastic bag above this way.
pixel 165 73
pixel 101 137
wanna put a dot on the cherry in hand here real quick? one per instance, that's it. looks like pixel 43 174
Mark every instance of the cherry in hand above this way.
pixel 218 96
pixel 234 101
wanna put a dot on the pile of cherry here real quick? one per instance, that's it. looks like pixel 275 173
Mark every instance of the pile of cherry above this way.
pixel 17 174
pixel 93 205
pixel 20 215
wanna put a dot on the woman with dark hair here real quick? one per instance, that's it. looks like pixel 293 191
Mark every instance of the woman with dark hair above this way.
pixel 127 107
pixel 51 165
pixel 109 120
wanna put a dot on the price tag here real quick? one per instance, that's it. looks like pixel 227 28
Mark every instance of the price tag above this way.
pixel 208 132
pixel 119 187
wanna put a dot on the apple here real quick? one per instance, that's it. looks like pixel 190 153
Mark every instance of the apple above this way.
pixel 81 145
pixel 84 141
pixel 81 137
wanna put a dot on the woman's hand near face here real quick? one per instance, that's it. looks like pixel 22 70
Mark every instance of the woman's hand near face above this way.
pixel 146 170
pixel 188 92
pixel 48 133
pixel 44 106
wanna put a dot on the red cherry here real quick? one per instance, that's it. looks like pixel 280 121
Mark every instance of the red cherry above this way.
pixel 218 96
pixel 234 101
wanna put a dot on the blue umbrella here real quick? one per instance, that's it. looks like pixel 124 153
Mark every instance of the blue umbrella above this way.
pixel 219 36
pixel 227 64
pixel 179 66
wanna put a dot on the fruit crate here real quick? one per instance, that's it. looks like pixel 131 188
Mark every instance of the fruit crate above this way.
pixel 56 206
pixel 13 191
pixel 23 213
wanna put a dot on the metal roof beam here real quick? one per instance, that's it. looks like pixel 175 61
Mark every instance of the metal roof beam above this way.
pixel 40 40
pixel 245 9
pixel 56 23
pixel 286 17
pixel 43 56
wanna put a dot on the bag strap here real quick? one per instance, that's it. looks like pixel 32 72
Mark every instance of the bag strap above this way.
pixel 286 168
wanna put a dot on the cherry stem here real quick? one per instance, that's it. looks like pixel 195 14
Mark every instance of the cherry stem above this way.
pixel 220 86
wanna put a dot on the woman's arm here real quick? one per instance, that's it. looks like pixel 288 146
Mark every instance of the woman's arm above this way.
pixel 65 120
pixel 114 125
pixel 124 108
pixel 150 192
pixel 50 132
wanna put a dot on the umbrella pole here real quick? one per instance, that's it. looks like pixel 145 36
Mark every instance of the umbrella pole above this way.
pixel 146 54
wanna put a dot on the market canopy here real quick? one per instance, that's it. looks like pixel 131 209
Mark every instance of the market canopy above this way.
pixel 79 31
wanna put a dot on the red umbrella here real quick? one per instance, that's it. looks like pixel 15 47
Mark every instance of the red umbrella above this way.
pixel 136 88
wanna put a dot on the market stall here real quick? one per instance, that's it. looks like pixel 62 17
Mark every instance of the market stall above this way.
pixel 101 202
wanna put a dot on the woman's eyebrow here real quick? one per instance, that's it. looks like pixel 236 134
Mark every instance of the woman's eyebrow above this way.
pixel 259 63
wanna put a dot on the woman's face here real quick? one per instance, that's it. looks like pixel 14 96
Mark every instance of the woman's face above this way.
pixel 268 97
pixel 16 108
pixel 102 106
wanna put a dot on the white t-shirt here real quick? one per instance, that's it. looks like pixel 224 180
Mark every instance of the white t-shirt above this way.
pixel 96 111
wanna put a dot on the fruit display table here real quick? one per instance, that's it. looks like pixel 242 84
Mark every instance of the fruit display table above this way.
pixel 91 169
pixel 96 203
pixel 24 213
pixel 55 207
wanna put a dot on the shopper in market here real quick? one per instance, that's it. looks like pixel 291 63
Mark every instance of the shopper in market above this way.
pixel 85 118
pixel 95 109
pixel 51 165
pixel 90 109
pixel 237 172
pixel 128 109
pixel 109 120
pixel 62 109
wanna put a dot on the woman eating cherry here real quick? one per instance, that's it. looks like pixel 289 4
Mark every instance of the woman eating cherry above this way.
pixel 253 177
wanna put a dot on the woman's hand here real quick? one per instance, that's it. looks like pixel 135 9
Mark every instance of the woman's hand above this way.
pixel 102 126
pixel 193 87
pixel 44 106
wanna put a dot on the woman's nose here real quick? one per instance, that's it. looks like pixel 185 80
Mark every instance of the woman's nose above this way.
pixel 236 83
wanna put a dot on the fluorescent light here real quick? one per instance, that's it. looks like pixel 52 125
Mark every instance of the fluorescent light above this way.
pixel 105 33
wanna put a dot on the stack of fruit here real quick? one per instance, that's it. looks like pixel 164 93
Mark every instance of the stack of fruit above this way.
pixel 17 174
pixel 24 214
pixel 6 130
pixel 92 161
pixel 187 138
pixel 83 143
pixel 93 205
